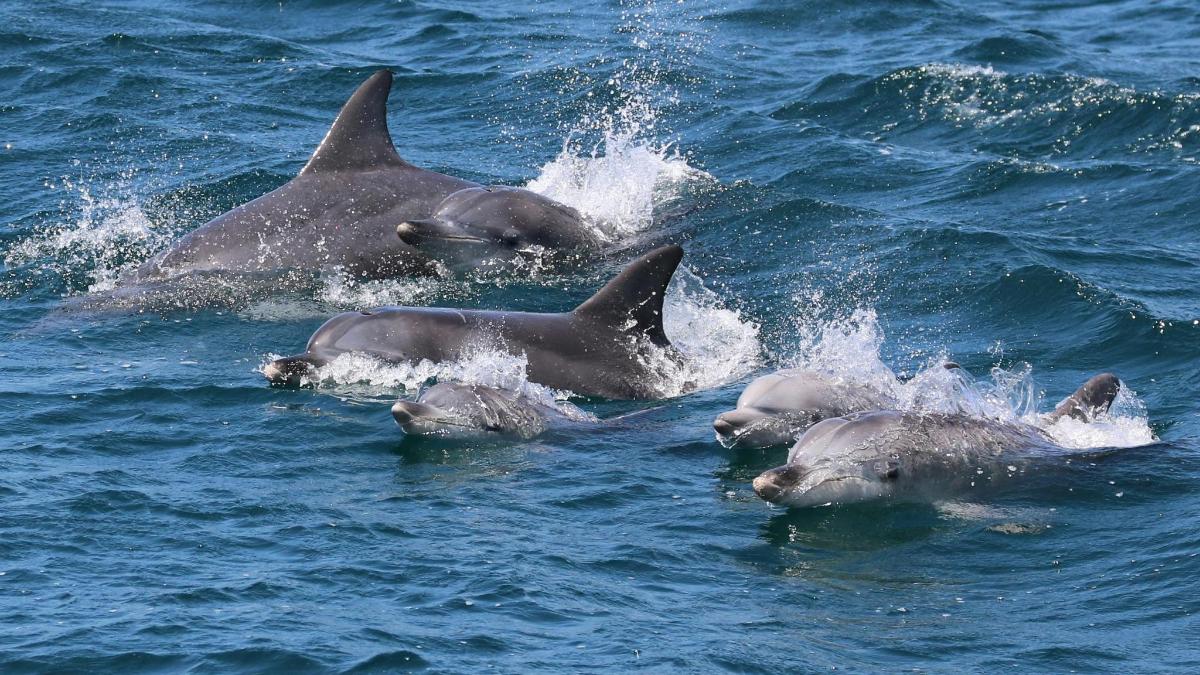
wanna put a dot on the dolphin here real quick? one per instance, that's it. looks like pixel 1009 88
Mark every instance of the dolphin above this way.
pixel 610 346
pixel 776 408
pixel 463 411
pixel 482 225
pixel 890 454
pixel 341 211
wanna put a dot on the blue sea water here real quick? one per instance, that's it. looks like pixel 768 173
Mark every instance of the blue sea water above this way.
pixel 863 187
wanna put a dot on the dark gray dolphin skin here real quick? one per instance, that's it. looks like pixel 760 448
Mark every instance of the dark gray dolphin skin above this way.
pixel 914 456
pixel 464 411
pixel 478 225
pixel 775 409
pixel 605 347
pixel 340 211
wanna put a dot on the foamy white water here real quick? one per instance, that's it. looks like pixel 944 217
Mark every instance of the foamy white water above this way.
pixel 619 183
pixel 108 236
pixel 849 349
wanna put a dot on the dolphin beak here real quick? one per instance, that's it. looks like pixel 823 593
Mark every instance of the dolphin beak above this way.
pixel 722 426
pixel 289 371
pixel 414 232
pixel 773 484
pixel 412 416
pixel 766 487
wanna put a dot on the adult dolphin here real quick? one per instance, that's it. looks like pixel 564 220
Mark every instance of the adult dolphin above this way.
pixel 341 211
pixel 612 346
pixel 918 456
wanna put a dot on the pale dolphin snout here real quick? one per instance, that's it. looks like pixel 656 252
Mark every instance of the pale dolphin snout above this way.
pixel 417 232
pixel 723 427
pixel 416 418
pixel 771 485
pixel 753 428
pixel 411 232
pixel 289 371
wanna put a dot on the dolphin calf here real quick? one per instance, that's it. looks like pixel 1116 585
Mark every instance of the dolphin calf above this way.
pixel 341 211
pixel 463 411
pixel 610 346
pixel 917 456
pixel 481 225
pixel 775 409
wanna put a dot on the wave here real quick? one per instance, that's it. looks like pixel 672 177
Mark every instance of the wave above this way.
pixel 1011 114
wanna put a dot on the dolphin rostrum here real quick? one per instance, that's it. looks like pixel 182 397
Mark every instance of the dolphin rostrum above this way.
pixel 918 456
pixel 610 346
pixel 776 408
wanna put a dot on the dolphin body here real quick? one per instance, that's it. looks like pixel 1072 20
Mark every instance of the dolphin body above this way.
pixel 495 224
pixel 916 456
pixel 359 207
pixel 341 211
pixel 464 411
pixel 776 408
pixel 607 347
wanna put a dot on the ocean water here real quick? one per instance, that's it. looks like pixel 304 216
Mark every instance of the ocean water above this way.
pixel 867 188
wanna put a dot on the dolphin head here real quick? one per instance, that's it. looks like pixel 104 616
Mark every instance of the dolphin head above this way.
pixel 775 408
pixel 343 333
pixel 462 411
pixel 480 223
pixel 753 427
pixel 802 486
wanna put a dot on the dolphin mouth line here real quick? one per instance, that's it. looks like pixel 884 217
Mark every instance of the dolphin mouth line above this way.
pixel 407 230
pixel 448 422
pixel 456 237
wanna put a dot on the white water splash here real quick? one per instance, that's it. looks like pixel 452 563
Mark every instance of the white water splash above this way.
pixel 1123 426
pixel 619 183
pixel 614 166
pixel 718 344
pixel 108 237
pixel 848 349
pixel 347 292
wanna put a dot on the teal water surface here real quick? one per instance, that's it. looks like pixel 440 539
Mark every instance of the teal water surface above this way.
pixel 1009 184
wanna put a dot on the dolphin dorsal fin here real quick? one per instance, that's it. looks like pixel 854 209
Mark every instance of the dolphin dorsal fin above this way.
pixel 1093 398
pixel 359 137
pixel 633 300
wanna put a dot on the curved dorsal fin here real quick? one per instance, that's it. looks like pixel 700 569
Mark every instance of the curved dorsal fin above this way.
pixel 633 301
pixel 1093 398
pixel 359 137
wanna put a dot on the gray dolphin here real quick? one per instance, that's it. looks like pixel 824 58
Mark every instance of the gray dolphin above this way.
pixel 340 211
pixel 478 225
pixel 775 409
pixel 605 347
pixel 462 411
pixel 915 456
